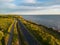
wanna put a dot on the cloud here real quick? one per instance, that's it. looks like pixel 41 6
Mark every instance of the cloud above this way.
pixel 6 4
pixel 29 7
pixel 30 1
pixel 33 10
pixel 6 1
pixel 46 10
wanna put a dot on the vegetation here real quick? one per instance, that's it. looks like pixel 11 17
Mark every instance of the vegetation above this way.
pixel 4 26
pixel 43 34
pixel 47 36
pixel 6 22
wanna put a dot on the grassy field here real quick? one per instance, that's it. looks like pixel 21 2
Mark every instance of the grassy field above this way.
pixel 43 34
pixel 6 22
pixel 4 26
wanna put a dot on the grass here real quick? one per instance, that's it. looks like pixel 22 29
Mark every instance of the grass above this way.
pixel 42 34
pixel 4 26
pixel 45 35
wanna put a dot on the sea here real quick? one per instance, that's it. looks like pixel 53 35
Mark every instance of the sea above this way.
pixel 50 21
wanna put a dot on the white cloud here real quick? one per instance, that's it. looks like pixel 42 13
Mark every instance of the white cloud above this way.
pixel 30 1
pixel 47 10
pixel 7 5
pixel 6 1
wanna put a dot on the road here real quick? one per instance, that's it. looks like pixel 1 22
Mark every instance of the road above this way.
pixel 23 35
pixel 11 35
pixel 29 38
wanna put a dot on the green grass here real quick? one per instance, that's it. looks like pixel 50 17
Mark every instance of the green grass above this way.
pixel 45 35
pixel 4 26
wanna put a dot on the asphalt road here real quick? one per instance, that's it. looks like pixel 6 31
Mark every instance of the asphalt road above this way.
pixel 26 35
pixel 30 39
pixel 11 35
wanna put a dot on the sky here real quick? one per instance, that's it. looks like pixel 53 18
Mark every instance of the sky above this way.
pixel 29 7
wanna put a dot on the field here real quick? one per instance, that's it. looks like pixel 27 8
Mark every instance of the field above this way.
pixel 4 26
pixel 11 27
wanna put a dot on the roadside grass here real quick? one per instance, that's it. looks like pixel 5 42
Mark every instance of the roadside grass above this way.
pixel 41 33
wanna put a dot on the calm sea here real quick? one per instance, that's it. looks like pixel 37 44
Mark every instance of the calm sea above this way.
pixel 51 21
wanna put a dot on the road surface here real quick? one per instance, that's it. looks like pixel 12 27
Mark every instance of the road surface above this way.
pixel 30 39
pixel 11 35
pixel 23 34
